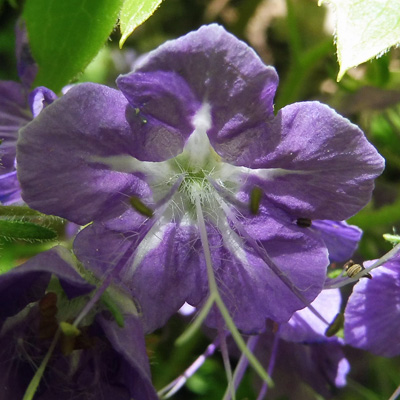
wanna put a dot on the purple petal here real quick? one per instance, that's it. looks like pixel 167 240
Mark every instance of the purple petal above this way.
pixel 14 114
pixel 250 287
pixel 328 165
pixel 28 282
pixel 340 238
pixel 10 191
pixel 165 272
pixel 305 326
pixel 322 366
pixel 129 343
pixel 39 98
pixel 162 110
pixel 206 66
pixel 59 152
pixel 168 268
pixel 373 312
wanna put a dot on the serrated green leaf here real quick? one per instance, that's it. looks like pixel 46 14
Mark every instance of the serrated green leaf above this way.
pixel 20 211
pixel 65 35
pixel 364 29
pixel 134 13
pixel 20 230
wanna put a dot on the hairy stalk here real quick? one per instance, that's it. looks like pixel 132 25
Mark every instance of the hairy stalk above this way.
pixel 219 302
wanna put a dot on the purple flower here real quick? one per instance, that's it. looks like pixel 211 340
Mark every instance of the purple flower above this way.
pixel 372 313
pixel 17 108
pixel 103 360
pixel 14 114
pixel 340 238
pixel 300 352
pixel 189 151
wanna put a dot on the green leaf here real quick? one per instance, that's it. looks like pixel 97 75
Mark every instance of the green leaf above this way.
pixel 20 230
pixel 65 35
pixel 364 29
pixel 134 13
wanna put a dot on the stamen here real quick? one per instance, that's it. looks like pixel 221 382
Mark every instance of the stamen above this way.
pixel 140 207
pixel 255 199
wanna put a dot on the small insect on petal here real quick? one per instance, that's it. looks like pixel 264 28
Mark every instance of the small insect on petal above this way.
pixel 255 198
pixel 304 222
pixel 353 269
pixel 336 325
pixel 140 207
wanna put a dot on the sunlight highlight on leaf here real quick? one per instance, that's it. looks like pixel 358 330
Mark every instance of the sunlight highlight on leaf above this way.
pixel 134 13
pixel 364 29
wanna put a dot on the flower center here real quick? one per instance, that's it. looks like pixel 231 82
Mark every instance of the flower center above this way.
pixel 196 164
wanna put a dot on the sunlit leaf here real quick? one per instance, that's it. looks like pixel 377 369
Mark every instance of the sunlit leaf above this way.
pixel 134 13
pixel 364 29
pixel 65 35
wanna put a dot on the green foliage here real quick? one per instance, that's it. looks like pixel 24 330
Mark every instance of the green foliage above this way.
pixel 134 13
pixel 65 35
pixel 21 230
pixel 364 29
